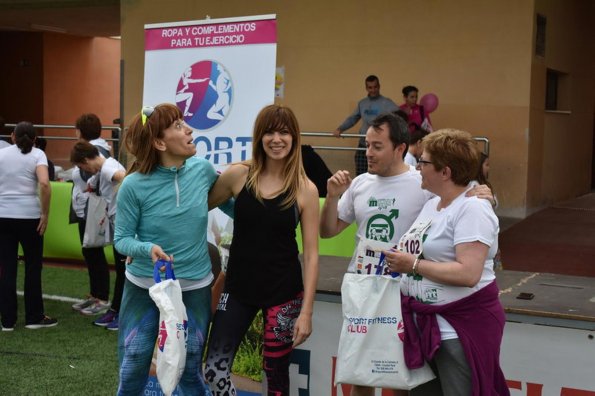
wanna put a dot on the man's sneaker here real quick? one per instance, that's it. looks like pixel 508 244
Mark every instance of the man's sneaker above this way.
pixel 45 322
pixel 7 328
pixel 97 307
pixel 106 318
pixel 114 324
pixel 83 304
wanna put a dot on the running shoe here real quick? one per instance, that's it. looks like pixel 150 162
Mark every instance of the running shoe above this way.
pixel 45 322
pixel 97 307
pixel 114 324
pixel 106 318
pixel 83 304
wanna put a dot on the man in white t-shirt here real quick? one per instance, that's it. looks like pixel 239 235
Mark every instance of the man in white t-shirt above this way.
pixel 383 202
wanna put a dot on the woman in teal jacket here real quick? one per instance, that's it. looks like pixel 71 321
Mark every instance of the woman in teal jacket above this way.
pixel 162 214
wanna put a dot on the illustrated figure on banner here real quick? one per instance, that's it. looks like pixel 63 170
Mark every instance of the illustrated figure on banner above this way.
pixel 219 110
pixel 182 95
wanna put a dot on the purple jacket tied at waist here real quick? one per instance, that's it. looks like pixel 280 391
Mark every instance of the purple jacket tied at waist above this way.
pixel 479 322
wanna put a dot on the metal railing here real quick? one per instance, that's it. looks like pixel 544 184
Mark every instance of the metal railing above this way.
pixel 338 148
pixel 483 139
pixel 113 128
pixel 51 126
pixel 116 140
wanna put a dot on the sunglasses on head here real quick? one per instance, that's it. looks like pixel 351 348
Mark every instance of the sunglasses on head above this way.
pixel 146 113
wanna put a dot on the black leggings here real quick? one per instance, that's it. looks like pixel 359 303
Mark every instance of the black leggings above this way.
pixel 97 267
pixel 13 232
pixel 120 264
pixel 229 326
pixel 99 271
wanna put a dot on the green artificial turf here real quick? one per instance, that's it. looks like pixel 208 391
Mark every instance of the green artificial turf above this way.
pixel 75 357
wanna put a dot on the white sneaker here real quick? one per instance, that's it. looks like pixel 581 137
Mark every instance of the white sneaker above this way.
pixel 7 328
pixel 97 307
pixel 83 304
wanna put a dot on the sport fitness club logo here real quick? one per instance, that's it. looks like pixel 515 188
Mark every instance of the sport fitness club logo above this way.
pixel 204 94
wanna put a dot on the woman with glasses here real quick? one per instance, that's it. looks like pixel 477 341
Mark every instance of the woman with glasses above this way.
pixel 450 283
pixel 162 214
pixel 272 195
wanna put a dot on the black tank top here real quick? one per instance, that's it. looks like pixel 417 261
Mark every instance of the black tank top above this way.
pixel 263 267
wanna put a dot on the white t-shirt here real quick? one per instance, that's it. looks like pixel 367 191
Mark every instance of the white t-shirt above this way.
pixel 410 159
pixel 106 184
pixel 79 190
pixel 19 198
pixel 4 144
pixel 466 219
pixel 382 207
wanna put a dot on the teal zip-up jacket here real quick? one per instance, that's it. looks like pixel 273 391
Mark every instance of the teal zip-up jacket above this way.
pixel 167 207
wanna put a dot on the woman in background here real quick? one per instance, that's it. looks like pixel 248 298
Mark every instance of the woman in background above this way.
pixel 107 173
pixel 88 129
pixel 483 173
pixel 24 208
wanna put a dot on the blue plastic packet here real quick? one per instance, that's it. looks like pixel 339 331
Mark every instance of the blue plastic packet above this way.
pixel 381 265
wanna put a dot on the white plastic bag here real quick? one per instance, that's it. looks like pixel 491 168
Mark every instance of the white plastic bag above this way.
pixel 173 328
pixel 97 227
pixel 371 344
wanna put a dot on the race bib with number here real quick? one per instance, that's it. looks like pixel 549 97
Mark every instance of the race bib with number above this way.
pixel 370 260
pixel 412 241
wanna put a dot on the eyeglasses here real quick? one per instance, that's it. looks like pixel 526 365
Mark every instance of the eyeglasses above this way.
pixel 421 162
pixel 146 113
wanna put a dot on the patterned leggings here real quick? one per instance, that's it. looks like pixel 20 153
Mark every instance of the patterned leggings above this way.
pixel 139 326
pixel 230 324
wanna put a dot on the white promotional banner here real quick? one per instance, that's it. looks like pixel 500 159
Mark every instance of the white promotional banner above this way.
pixel 220 73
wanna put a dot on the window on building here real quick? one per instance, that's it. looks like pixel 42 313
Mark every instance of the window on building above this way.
pixel 540 36
pixel 557 95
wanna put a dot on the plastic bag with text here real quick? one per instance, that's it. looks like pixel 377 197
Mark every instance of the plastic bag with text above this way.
pixel 371 344
pixel 173 328
pixel 97 227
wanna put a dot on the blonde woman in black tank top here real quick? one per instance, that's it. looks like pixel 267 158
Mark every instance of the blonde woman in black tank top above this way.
pixel 272 195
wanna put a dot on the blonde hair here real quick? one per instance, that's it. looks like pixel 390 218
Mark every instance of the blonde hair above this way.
pixel 455 149
pixel 277 118
pixel 139 139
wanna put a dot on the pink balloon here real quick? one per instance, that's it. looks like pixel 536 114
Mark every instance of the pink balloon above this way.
pixel 430 102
